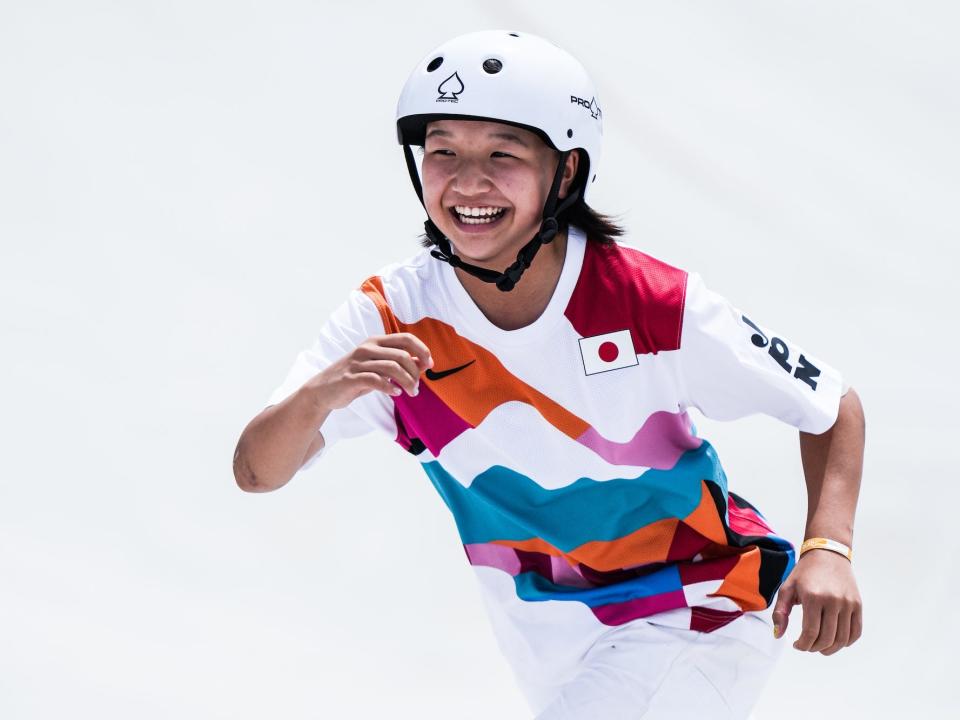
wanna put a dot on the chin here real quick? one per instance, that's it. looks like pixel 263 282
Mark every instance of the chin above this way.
pixel 479 252
pixel 489 244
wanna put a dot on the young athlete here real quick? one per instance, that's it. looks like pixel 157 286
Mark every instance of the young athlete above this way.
pixel 547 403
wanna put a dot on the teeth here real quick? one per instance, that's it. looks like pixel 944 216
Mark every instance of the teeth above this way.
pixel 477 215
pixel 465 211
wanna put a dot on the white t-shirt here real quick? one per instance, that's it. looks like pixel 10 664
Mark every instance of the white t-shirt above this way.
pixel 583 496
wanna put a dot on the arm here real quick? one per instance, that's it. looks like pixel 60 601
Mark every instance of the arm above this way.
pixel 823 580
pixel 278 441
pixel 833 465
pixel 284 436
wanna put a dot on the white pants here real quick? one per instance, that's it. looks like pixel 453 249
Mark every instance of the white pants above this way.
pixel 655 672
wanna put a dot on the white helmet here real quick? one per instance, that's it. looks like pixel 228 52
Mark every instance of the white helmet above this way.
pixel 514 78
pixel 511 77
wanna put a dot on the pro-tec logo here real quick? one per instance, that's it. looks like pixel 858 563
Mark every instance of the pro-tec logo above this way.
pixel 591 106
pixel 450 88
pixel 610 351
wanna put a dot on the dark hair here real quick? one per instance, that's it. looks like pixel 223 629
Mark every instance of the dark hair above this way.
pixel 598 227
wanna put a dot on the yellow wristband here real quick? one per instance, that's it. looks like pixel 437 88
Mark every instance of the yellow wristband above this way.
pixel 826 544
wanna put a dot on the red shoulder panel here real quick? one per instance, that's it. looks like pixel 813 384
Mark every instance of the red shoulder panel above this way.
pixel 623 288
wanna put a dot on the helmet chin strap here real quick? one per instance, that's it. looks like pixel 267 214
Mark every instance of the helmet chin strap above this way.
pixel 507 279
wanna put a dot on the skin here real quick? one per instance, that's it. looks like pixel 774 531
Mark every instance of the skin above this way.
pixel 479 164
pixel 282 437
pixel 822 581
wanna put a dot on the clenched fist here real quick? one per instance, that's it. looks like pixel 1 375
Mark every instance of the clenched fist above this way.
pixel 389 363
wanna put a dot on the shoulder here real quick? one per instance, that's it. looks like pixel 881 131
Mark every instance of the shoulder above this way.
pixel 399 288
pixel 620 286
pixel 656 280
pixel 401 276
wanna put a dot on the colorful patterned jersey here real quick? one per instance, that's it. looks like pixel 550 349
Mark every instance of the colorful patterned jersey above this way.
pixel 583 496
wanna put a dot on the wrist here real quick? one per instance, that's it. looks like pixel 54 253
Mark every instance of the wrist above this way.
pixel 832 525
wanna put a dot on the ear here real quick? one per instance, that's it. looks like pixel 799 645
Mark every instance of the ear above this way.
pixel 569 173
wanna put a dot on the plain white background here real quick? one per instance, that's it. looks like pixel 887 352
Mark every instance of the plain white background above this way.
pixel 187 189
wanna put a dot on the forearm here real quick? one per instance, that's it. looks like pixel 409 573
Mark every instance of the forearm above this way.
pixel 274 446
pixel 833 466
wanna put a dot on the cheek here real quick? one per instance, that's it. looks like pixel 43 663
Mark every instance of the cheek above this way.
pixel 433 180
pixel 523 188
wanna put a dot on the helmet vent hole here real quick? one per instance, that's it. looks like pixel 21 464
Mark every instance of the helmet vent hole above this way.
pixel 570 133
pixel 513 35
pixel 492 66
pixel 434 64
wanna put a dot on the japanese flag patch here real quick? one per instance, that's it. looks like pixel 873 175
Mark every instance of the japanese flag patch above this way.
pixel 609 351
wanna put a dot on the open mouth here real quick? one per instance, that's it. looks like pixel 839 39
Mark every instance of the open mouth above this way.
pixel 465 215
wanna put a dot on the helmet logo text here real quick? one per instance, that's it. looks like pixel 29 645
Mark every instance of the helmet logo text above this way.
pixel 450 88
pixel 590 105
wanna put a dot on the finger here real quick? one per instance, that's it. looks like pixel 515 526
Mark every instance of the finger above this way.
pixel 829 620
pixel 811 626
pixel 393 371
pixel 786 599
pixel 375 381
pixel 414 364
pixel 396 355
pixel 843 632
pixel 411 343
pixel 856 625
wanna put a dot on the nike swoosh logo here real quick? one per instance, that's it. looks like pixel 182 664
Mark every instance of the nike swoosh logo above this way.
pixel 431 375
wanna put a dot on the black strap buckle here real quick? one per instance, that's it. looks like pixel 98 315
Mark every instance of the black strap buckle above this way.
pixel 549 229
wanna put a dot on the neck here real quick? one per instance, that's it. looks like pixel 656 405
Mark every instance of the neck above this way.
pixel 531 295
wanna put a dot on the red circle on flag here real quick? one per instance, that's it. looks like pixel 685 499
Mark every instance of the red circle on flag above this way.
pixel 608 351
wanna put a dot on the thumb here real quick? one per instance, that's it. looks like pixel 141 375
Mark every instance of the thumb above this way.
pixel 786 599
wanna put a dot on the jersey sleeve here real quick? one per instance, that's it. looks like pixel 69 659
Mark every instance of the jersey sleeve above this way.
pixel 355 320
pixel 731 365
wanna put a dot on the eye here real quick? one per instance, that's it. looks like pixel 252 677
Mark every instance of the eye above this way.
pixel 442 151
pixel 500 154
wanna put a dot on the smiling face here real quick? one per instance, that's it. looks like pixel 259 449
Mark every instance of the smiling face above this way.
pixel 485 184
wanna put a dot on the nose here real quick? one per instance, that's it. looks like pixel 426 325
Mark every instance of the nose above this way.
pixel 470 178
